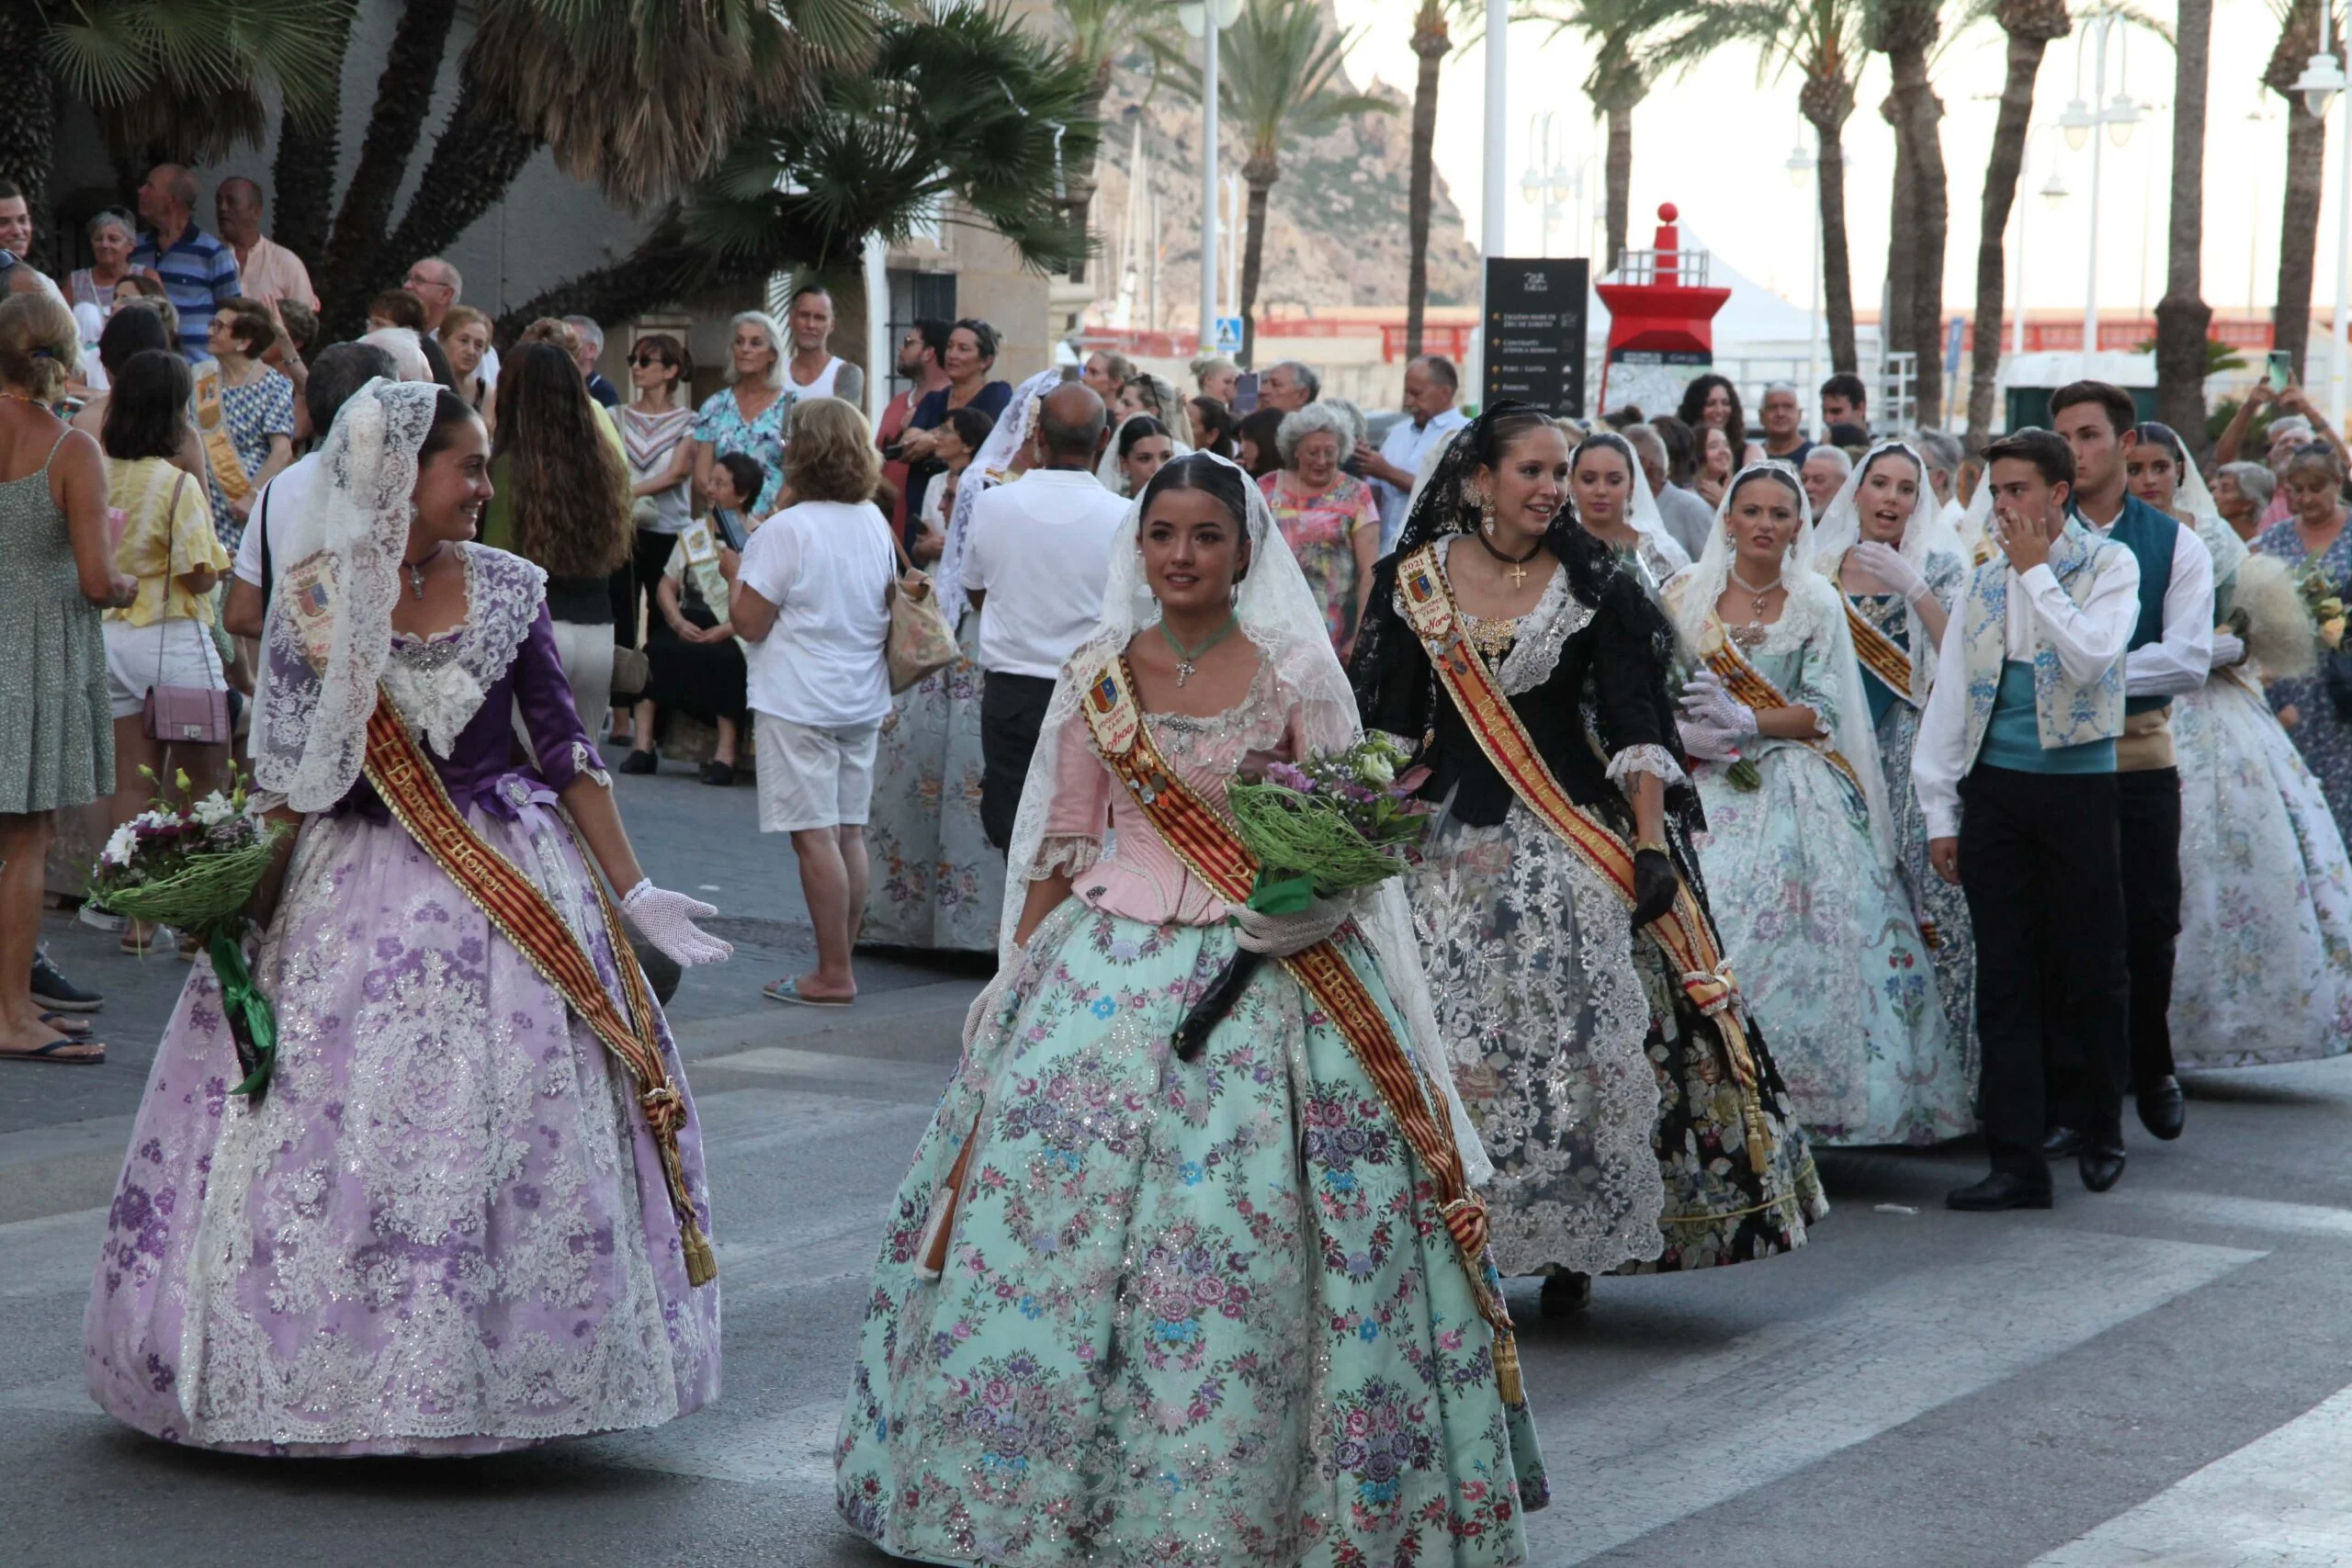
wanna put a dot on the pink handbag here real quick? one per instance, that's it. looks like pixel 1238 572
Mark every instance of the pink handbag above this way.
pixel 190 715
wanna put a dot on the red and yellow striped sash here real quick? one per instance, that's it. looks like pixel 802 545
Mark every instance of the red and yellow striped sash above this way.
pixel 1683 933
pixel 405 778
pixel 1200 838
pixel 1747 684
pixel 1880 653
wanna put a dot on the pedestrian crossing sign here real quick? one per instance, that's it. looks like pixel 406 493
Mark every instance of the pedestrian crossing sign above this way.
pixel 1228 335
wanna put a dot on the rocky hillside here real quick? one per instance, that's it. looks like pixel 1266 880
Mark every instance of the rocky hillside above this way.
pixel 1336 219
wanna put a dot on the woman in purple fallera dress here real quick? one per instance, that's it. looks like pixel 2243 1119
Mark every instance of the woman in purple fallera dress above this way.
pixel 449 1224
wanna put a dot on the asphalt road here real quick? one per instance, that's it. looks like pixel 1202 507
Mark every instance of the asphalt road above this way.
pixel 2159 1375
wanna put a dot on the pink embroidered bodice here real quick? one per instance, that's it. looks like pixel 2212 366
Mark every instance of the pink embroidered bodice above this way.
pixel 1138 876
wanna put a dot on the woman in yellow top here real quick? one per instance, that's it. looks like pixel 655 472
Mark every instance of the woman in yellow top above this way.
pixel 163 638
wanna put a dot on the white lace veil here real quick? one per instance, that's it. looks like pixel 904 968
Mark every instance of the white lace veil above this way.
pixel 991 464
pixel 1280 614
pixel 329 627
pixel 1641 505
pixel 1113 477
pixel 1814 608
pixel 1924 533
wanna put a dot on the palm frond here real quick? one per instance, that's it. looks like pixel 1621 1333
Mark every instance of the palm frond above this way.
pixel 189 74
pixel 1280 75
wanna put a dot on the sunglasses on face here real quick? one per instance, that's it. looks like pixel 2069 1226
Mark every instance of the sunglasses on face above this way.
pixel 642 360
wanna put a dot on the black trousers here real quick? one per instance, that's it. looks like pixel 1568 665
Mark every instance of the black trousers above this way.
pixel 2148 808
pixel 641 573
pixel 1012 709
pixel 2039 863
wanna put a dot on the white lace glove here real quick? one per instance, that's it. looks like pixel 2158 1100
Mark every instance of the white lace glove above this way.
pixel 667 920
pixel 1705 701
pixel 1708 742
pixel 992 997
pixel 1279 936
pixel 2228 649
pixel 1886 563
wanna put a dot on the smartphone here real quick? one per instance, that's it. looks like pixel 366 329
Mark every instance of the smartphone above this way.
pixel 729 527
pixel 1245 393
pixel 2280 371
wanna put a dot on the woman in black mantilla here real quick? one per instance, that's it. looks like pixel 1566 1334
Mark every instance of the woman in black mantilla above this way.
pixel 1621 1138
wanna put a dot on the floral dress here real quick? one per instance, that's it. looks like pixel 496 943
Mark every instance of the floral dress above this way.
pixel 1938 904
pixel 937 882
pixel 2323 736
pixel 252 414
pixel 1194 1314
pixel 720 426
pixel 2263 971
pixel 1819 929
pixel 1321 532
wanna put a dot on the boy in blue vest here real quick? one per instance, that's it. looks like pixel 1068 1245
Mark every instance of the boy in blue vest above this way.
pixel 2015 773
pixel 2170 652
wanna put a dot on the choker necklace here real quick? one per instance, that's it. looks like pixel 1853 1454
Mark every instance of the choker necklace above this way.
pixel 1518 564
pixel 1185 668
pixel 1755 631
pixel 415 569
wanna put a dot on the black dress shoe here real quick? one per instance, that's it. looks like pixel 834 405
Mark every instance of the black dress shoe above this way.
pixel 2002 1190
pixel 718 772
pixel 1565 1295
pixel 53 990
pixel 2101 1165
pixel 639 762
pixel 2163 1108
pixel 2061 1142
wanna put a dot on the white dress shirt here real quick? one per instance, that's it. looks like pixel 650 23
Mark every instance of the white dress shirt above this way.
pixel 2180 659
pixel 2088 637
pixel 1040 550
pixel 1407 445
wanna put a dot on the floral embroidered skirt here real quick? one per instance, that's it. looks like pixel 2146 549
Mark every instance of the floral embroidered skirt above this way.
pixel 1193 1312
pixel 443 1230
pixel 2263 971
pixel 937 882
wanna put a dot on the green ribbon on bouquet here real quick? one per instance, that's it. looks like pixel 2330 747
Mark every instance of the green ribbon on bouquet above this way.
pixel 253 1022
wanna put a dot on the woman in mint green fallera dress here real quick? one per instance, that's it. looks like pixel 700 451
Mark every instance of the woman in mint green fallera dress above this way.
pixel 1198 1311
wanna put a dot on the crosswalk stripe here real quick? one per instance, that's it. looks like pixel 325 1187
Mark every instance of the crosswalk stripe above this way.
pixel 1636 1457
pixel 2282 1501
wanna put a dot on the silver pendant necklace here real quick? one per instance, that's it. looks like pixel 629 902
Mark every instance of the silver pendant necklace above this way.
pixel 415 569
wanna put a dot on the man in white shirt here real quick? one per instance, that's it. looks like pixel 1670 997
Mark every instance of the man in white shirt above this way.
pixel 1431 386
pixel 2171 652
pixel 814 370
pixel 2015 773
pixel 1034 570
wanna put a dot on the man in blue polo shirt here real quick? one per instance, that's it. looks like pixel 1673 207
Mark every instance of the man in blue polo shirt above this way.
pixel 198 271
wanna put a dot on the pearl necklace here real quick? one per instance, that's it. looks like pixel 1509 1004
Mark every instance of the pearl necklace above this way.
pixel 1755 631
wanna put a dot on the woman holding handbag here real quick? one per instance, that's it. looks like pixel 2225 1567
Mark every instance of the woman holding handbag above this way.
pixel 166 685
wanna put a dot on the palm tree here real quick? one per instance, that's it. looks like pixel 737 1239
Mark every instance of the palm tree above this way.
pixel 1433 41
pixel 640 96
pixel 2301 32
pixel 1635 43
pixel 177 79
pixel 2182 315
pixel 1101 32
pixel 964 112
pixel 1904 31
pixel 1281 79
pixel 2030 26
pixel 1821 39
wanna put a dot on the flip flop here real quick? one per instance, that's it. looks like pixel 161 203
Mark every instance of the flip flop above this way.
pixel 49 1053
pixel 65 1024
pixel 789 991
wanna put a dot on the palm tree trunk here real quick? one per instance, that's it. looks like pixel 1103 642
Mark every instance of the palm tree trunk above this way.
pixel 1837 273
pixel 309 148
pixel 2298 233
pixel 1431 44
pixel 28 111
pixel 1896 326
pixel 1618 174
pixel 1929 217
pixel 2001 171
pixel 1260 175
pixel 1082 182
pixel 403 97
pixel 475 159
pixel 2182 315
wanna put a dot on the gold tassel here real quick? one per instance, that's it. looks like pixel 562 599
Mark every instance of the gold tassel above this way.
pixel 702 1266
pixel 1507 1378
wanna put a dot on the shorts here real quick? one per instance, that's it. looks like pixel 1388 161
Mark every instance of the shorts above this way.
pixel 178 652
pixel 812 777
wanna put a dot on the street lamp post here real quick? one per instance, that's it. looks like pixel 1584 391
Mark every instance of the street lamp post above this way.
pixel 2322 83
pixel 2055 193
pixel 1547 183
pixel 1800 165
pixel 1194 16
pixel 2081 122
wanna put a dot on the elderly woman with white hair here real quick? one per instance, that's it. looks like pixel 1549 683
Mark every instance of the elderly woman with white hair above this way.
pixel 1330 519
pixel 113 235
pixel 748 414
pixel 2241 494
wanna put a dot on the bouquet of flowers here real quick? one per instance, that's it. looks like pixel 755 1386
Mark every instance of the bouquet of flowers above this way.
pixel 2326 606
pixel 1323 827
pixel 194 868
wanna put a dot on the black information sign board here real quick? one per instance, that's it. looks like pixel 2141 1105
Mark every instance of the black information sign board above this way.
pixel 1535 330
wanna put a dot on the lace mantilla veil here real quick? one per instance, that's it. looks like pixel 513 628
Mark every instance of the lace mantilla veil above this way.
pixel 1641 506
pixel 1279 613
pixel 1108 471
pixel 1815 605
pixel 1924 533
pixel 334 595
pixel 991 464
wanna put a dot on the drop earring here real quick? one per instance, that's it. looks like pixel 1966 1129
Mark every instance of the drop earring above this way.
pixel 1486 514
